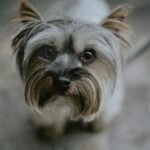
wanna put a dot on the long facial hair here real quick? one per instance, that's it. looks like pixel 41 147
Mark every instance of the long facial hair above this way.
pixel 87 85
pixel 84 94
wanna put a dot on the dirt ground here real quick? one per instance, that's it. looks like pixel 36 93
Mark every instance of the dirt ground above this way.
pixel 129 131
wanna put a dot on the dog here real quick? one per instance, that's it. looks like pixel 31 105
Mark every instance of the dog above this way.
pixel 71 65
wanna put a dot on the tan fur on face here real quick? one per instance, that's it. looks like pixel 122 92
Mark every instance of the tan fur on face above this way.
pixel 86 97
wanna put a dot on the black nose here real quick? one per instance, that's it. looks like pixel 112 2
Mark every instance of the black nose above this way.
pixel 62 82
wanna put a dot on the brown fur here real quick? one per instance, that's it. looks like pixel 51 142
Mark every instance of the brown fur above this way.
pixel 92 83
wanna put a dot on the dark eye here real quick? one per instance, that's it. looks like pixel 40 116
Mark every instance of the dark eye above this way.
pixel 45 52
pixel 88 56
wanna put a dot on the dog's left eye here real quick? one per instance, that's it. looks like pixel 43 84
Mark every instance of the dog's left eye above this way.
pixel 45 51
pixel 87 56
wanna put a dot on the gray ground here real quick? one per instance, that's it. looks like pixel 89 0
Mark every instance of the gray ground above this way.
pixel 129 131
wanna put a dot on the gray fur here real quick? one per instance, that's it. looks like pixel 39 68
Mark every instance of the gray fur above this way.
pixel 94 85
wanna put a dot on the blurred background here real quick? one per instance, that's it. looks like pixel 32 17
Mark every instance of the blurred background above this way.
pixel 129 131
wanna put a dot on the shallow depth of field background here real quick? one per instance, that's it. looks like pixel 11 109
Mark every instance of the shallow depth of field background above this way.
pixel 129 131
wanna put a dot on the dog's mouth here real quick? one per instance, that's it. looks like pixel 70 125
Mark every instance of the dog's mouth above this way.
pixel 47 96
pixel 44 98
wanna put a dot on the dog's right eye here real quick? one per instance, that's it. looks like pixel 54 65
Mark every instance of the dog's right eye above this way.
pixel 88 56
pixel 45 52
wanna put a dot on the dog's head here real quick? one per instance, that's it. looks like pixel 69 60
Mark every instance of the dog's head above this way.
pixel 75 60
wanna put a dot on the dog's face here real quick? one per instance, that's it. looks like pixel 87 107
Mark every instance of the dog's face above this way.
pixel 74 60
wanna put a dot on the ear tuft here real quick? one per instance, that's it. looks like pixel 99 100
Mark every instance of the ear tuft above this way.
pixel 27 13
pixel 115 25
pixel 120 13
pixel 115 22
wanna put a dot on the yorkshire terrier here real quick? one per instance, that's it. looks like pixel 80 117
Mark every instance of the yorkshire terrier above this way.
pixel 71 65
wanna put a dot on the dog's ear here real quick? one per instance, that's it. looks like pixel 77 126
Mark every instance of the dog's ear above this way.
pixel 115 22
pixel 27 13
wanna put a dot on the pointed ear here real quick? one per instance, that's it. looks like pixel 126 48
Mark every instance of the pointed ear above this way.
pixel 27 13
pixel 115 22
